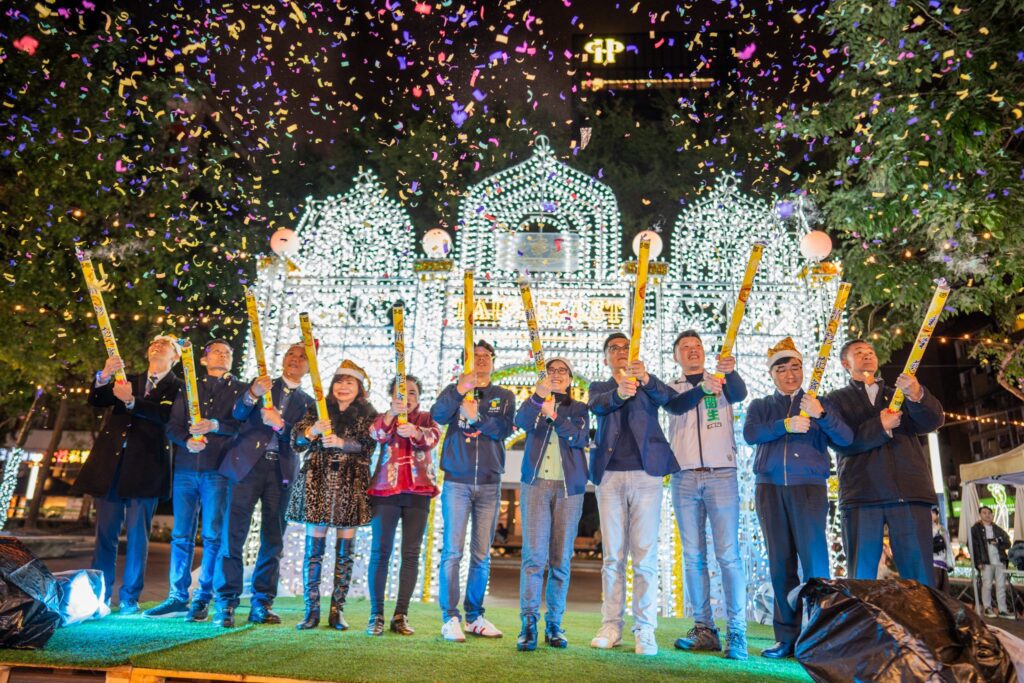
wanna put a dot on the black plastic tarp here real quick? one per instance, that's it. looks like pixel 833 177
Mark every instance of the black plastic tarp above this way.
pixel 895 630
pixel 29 597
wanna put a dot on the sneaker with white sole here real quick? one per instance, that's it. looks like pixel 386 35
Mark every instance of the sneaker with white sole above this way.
pixel 452 631
pixel 645 642
pixel 607 637
pixel 483 628
pixel 169 608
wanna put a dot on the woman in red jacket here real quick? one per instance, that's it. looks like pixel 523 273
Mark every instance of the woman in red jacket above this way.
pixel 403 484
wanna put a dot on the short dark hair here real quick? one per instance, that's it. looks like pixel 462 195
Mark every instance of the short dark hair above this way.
pixel 984 507
pixel 847 345
pixel 408 378
pixel 683 335
pixel 614 335
pixel 217 340
pixel 482 343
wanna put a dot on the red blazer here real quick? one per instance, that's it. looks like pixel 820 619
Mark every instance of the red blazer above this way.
pixel 405 465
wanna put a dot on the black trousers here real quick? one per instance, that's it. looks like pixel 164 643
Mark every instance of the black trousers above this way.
pixel 262 485
pixel 387 513
pixel 793 519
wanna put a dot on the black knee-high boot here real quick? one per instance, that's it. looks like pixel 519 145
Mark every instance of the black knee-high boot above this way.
pixel 343 561
pixel 312 563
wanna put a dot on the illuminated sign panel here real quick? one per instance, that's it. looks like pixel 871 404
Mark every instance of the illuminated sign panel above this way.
pixel 550 252
pixel 603 50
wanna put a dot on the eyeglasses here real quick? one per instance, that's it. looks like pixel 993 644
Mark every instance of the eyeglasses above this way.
pixel 558 371
pixel 618 348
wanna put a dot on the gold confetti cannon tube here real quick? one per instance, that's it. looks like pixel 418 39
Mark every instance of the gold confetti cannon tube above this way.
pixel 398 317
pixel 314 369
pixel 257 341
pixel 924 335
pixel 102 320
pixel 531 326
pixel 467 326
pixel 826 344
pixel 467 320
pixel 637 324
pixel 188 366
pixel 741 301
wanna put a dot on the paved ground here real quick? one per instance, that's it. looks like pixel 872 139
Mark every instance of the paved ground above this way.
pixel 584 589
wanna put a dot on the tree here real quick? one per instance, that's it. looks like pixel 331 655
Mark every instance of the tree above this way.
pixel 923 180
pixel 98 152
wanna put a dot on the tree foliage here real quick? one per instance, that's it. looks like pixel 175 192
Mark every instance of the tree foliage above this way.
pixel 922 133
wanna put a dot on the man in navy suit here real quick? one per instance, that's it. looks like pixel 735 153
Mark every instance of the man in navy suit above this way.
pixel 197 484
pixel 129 469
pixel 627 465
pixel 261 467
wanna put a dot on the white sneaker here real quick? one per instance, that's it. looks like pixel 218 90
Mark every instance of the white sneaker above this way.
pixel 607 637
pixel 645 642
pixel 452 631
pixel 482 627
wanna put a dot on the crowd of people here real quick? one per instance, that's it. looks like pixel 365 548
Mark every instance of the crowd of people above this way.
pixel 263 443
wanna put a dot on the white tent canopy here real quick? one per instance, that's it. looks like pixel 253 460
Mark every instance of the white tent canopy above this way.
pixel 1006 469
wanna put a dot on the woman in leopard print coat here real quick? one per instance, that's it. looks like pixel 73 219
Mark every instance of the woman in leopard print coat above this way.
pixel 330 490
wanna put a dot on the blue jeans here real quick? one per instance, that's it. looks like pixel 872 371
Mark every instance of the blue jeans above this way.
pixel 696 497
pixel 550 521
pixel 136 514
pixel 630 507
pixel 460 505
pixel 263 485
pixel 910 537
pixel 193 491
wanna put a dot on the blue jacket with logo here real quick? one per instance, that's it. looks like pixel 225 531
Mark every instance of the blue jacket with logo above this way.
pixel 571 427
pixel 786 459
pixel 655 452
pixel 475 453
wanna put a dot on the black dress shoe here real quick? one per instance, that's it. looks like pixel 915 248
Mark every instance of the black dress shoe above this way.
pixel 199 611
pixel 527 641
pixel 779 650
pixel 262 614
pixel 225 618
pixel 400 625
pixel 375 627
pixel 555 636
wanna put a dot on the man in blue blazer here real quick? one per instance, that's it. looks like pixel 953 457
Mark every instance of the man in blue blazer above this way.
pixel 261 466
pixel 627 464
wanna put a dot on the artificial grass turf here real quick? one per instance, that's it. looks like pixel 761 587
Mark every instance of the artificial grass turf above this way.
pixel 327 655
pixel 113 641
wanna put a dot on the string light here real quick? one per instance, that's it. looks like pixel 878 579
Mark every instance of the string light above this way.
pixel 12 465
pixel 983 419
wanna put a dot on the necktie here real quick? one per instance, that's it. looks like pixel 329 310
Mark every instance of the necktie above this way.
pixel 151 384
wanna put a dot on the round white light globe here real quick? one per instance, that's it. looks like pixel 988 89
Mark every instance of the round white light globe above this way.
pixel 656 244
pixel 815 245
pixel 284 242
pixel 437 243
